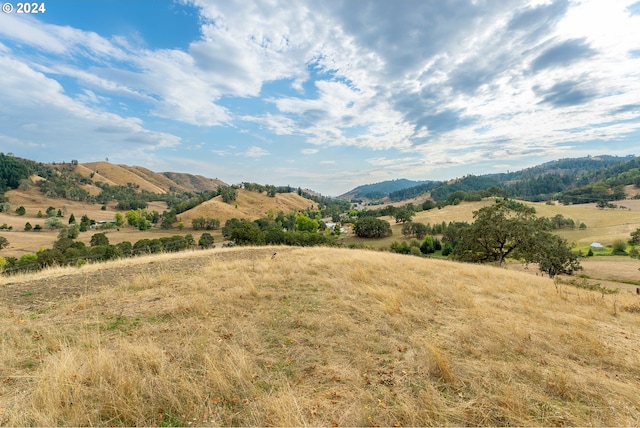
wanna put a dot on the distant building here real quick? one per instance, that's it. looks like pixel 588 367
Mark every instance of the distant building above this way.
pixel 596 245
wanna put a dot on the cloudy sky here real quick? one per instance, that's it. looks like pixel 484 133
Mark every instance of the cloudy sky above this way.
pixel 325 95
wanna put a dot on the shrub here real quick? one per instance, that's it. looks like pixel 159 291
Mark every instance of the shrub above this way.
pixel 21 211
pixel 53 223
pixel 99 239
pixel 206 240
pixel 400 247
pixel 619 247
pixel 428 246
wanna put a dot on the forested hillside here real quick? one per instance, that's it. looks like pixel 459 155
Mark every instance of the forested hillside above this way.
pixel 384 188
pixel 571 181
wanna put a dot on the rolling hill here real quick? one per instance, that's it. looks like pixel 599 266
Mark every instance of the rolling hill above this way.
pixel 248 205
pixel 381 189
pixel 572 181
pixel 145 179
pixel 314 336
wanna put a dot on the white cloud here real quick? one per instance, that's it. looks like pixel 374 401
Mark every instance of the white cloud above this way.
pixel 255 152
pixel 507 80
pixel 35 107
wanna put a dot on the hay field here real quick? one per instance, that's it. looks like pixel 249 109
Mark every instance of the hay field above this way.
pixel 314 336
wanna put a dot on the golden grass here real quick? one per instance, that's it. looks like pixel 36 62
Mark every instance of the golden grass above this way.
pixel 123 174
pixel 316 336
pixel 249 205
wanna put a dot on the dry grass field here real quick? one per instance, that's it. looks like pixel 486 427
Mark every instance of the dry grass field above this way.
pixel 21 242
pixel 146 179
pixel 123 174
pixel 249 205
pixel 314 336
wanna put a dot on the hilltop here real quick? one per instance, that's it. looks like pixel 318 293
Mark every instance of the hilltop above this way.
pixel 314 336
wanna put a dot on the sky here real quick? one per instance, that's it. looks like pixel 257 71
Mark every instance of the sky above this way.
pixel 325 95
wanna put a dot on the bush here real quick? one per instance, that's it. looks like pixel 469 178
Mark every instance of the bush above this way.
pixel 619 247
pixel 206 240
pixel 400 247
pixel 125 248
pixel 21 211
pixel 99 239
pixel 428 246
pixel 27 227
pixel 53 223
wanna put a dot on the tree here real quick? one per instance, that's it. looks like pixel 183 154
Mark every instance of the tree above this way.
pixel 21 210
pixel 99 239
pixel 51 212
pixel 371 227
pixel 403 215
pixel 53 223
pixel 499 230
pixel 119 218
pixel 85 222
pixel 228 193
pixel 27 227
pixel 247 233
pixel 72 219
pixel 306 224
pixel 125 248
pixel 71 232
pixel 166 223
pixel 419 230
pixel 427 246
pixel 4 242
pixel 554 256
pixel 635 237
pixel 206 240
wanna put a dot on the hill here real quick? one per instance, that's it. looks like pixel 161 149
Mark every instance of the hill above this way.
pixel 144 179
pixel 572 181
pixel 249 205
pixel 314 336
pixel 381 189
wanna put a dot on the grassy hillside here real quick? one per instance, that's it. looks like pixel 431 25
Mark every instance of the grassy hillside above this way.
pixel 249 205
pixel 122 175
pixel 193 183
pixel 146 179
pixel 313 337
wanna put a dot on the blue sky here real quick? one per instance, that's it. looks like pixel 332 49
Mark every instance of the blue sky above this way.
pixel 323 95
